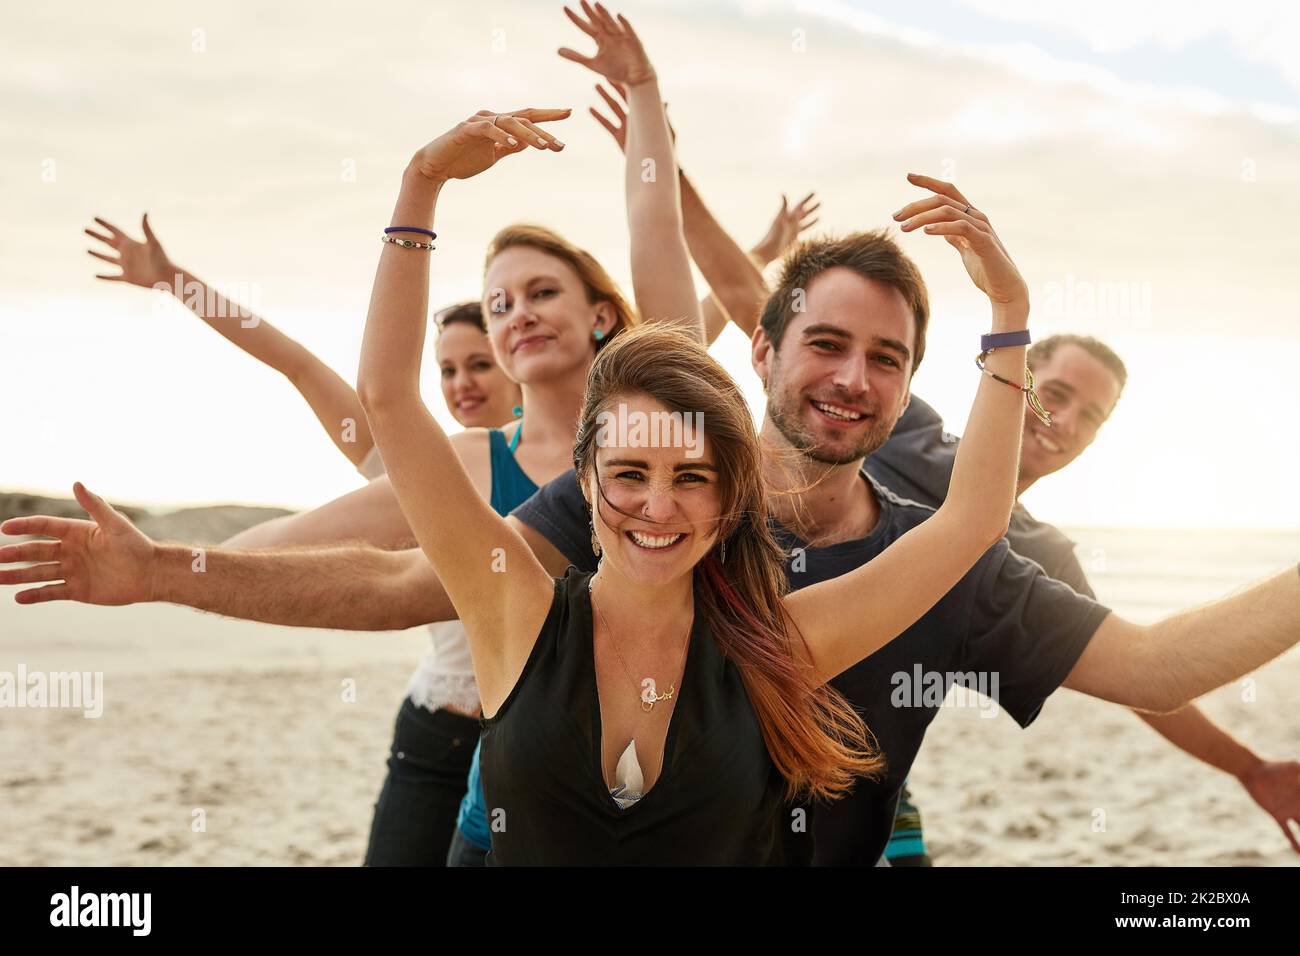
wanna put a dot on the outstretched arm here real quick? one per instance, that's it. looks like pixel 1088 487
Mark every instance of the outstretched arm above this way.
pixel 108 561
pixel 1160 667
pixel 369 514
pixel 467 542
pixel 1273 784
pixel 848 618
pixel 333 400
pixel 661 266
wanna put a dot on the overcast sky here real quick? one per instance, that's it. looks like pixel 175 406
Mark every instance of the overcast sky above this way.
pixel 1138 160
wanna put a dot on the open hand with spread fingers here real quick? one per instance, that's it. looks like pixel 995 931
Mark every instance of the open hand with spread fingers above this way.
pixel 619 109
pixel 948 213
pixel 620 57
pixel 786 226
pixel 142 263
pixel 107 560
pixel 476 143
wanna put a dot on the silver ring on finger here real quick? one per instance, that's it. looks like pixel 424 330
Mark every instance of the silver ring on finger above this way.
pixel 967 209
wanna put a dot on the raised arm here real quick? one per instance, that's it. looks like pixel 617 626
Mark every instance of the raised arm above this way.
pixel 108 561
pixel 661 265
pixel 786 226
pixel 333 400
pixel 471 547
pixel 847 618
pixel 737 289
pixel 734 284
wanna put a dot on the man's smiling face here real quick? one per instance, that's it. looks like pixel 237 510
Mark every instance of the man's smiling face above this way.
pixel 1080 392
pixel 839 381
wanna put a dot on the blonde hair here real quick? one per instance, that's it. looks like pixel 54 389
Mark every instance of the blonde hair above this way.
pixel 598 283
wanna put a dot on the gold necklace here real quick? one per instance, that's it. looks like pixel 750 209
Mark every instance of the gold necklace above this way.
pixel 645 687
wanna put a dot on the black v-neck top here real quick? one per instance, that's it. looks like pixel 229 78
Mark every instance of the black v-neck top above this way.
pixel 719 799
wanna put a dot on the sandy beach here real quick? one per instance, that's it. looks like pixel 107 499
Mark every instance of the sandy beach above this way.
pixel 249 723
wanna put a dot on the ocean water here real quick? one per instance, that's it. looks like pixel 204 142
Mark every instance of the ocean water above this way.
pixel 1146 574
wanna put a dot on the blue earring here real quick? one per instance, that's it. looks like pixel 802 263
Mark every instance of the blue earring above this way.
pixel 597 334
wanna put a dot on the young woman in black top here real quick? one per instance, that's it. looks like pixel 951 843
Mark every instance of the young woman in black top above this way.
pixel 663 709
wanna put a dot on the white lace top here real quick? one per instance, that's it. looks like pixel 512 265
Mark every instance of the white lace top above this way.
pixel 446 672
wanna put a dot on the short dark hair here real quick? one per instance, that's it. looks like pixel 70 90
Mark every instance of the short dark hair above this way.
pixel 469 312
pixel 1043 351
pixel 872 255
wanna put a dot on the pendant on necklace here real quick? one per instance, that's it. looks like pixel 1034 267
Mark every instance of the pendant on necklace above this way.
pixel 648 696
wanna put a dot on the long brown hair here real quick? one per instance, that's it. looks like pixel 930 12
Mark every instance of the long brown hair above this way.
pixel 598 283
pixel 815 738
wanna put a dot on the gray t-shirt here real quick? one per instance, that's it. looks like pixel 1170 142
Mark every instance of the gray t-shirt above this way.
pixel 917 462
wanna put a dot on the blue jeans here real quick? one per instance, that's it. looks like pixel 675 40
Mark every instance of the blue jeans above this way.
pixel 415 815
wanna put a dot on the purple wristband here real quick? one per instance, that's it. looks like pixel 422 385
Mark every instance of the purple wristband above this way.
pixel 424 232
pixel 1003 340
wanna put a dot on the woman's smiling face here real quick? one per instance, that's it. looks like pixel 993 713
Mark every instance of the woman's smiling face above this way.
pixel 477 391
pixel 662 500
pixel 538 316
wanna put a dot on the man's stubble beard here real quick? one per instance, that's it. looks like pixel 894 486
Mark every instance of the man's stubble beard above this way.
pixel 784 408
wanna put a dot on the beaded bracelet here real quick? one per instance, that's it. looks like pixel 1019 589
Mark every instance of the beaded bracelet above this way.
pixel 1031 397
pixel 422 231
pixel 408 243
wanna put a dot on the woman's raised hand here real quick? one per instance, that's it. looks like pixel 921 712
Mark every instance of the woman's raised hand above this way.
pixel 949 214
pixel 477 143
pixel 619 109
pixel 786 226
pixel 620 58
pixel 142 263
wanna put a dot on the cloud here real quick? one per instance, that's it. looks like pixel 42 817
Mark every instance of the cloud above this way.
pixel 1093 182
